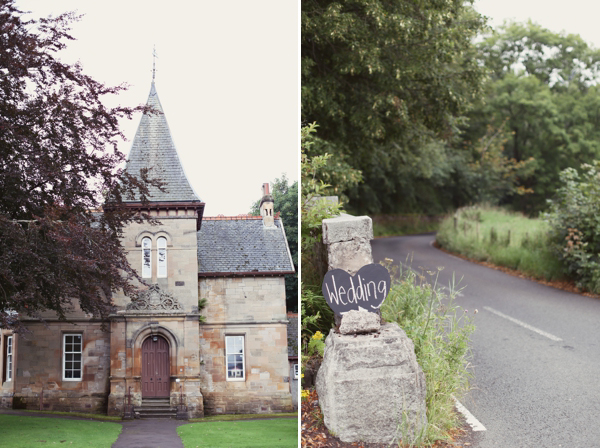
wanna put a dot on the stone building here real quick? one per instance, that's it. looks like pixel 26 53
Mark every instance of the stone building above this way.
pixel 208 334
pixel 293 356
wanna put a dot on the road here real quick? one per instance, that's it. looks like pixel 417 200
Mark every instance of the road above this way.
pixel 536 352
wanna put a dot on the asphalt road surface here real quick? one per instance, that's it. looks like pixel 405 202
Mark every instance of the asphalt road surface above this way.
pixel 536 352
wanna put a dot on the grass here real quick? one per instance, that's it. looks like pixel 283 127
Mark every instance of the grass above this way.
pixel 76 414
pixel 27 432
pixel 502 238
pixel 396 225
pixel 231 417
pixel 280 433
pixel 441 334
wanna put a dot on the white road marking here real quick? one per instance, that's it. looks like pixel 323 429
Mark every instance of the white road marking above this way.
pixel 470 418
pixel 523 324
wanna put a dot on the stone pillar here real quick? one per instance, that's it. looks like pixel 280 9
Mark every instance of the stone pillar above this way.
pixel 347 240
pixel 371 388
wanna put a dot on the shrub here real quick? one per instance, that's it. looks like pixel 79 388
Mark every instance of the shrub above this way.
pixel 574 218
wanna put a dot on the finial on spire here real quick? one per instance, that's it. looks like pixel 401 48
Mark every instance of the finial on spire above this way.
pixel 154 56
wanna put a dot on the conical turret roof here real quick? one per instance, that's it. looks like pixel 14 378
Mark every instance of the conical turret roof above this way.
pixel 153 148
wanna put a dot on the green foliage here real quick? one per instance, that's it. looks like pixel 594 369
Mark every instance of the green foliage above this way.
pixel 441 333
pixel 542 93
pixel 503 238
pixel 317 319
pixel 316 346
pixel 574 218
pixel 285 201
pixel 388 81
pixel 337 174
pixel 278 433
pixel 201 305
pixel 313 208
pixel 494 176
pixel 556 59
pixel 25 432
pixel 316 315
pixel 396 225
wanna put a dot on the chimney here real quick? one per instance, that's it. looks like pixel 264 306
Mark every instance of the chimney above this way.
pixel 266 207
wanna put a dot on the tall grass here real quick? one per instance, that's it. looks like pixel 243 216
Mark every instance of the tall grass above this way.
pixel 502 238
pixel 441 332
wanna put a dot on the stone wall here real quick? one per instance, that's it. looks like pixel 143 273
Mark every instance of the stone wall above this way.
pixel 266 385
pixel 128 332
pixel 6 387
pixel 243 299
pixel 253 307
pixel 179 228
pixel 39 357
pixel 294 383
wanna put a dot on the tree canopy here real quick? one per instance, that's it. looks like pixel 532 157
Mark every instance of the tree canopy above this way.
pixel 543 94
pixel 386 81
pixel 58 164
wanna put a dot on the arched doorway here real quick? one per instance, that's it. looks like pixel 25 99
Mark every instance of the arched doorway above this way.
pixel 155 367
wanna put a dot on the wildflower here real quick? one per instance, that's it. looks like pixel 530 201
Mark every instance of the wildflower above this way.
pixel 301 375
pixel 318 335
pixel 305 393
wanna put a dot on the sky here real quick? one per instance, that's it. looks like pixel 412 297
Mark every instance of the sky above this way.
pixel 573 17
pixel 227 76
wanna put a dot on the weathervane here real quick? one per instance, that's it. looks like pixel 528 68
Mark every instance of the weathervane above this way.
pixel 154 56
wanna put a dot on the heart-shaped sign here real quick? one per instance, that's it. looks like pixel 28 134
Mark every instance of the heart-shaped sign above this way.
pixel 367 289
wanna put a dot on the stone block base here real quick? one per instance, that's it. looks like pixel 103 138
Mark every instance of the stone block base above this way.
pixel 244 403
pixel 57 401
pixel 6 401
pixel 371 388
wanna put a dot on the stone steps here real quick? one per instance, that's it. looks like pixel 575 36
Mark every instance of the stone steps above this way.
pixel 156 408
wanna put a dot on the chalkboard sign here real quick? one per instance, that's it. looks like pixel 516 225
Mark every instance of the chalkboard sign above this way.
pixel 367 289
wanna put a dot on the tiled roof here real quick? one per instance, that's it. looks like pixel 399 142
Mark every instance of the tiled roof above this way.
pixel 292 334
pixel 242 245
pixel 153 148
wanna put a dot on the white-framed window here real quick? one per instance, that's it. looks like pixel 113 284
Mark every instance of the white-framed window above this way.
pixel 234 353
pixel 72 357
pixel 9 358
pixel 146 257
pixel 162 257
pixel 295 371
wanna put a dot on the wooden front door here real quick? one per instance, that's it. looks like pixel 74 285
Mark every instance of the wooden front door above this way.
pixel 155 367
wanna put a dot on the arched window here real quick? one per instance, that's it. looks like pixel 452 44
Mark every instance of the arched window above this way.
pixel 162 257
pixel 146 258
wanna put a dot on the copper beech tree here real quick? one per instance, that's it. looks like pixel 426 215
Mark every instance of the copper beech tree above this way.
pixel 59 162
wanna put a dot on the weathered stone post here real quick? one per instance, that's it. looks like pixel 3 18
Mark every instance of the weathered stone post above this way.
pixel 348 242
pixel 370 386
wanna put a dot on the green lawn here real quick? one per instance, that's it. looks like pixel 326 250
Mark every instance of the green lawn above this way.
pixel 279 433
pixel 18 431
